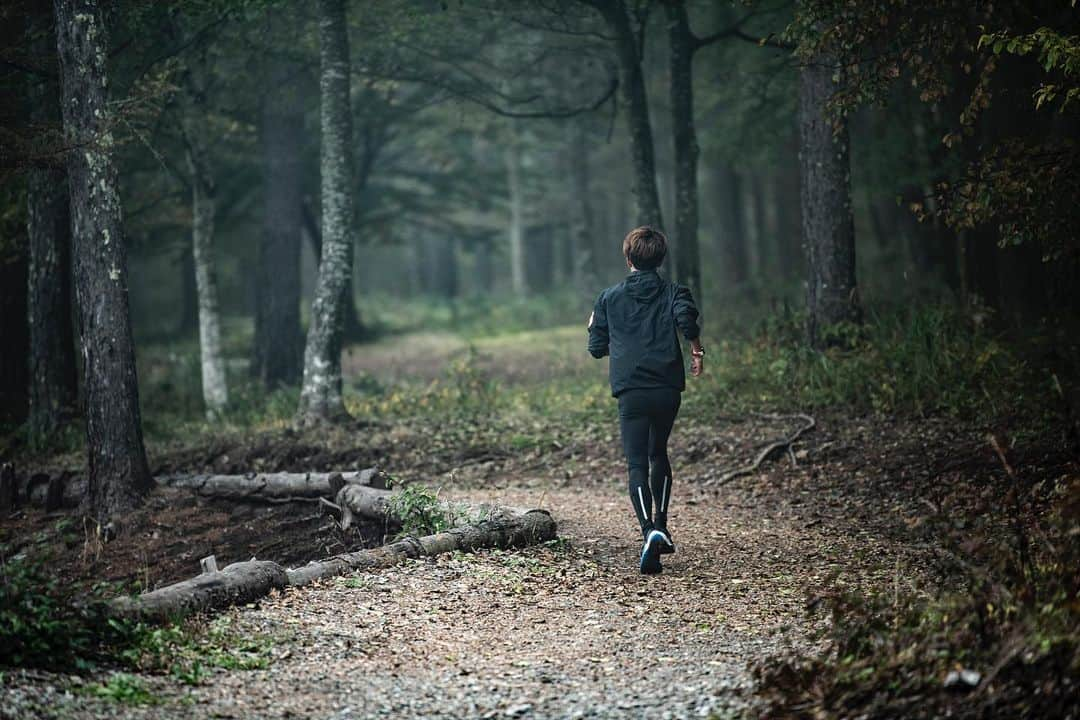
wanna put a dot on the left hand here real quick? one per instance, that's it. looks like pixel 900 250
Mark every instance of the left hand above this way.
pixel 696 365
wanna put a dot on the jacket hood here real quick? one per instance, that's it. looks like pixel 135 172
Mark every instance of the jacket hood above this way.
pixel 644 285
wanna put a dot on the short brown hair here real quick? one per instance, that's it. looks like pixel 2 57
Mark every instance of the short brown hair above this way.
pixel 645 247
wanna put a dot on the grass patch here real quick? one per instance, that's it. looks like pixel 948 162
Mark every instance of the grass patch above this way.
pixel 123 688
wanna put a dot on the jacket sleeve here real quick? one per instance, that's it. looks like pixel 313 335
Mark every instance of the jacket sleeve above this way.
pixel 598 329
pixel 686 313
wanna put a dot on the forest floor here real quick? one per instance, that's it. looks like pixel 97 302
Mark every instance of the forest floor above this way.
pixel 566 629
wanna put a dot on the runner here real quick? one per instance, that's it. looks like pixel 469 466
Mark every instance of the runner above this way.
pixel 637 322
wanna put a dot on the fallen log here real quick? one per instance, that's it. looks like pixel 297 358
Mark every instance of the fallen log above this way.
pixel 528 528
pixel 245 582
pixel 68 489
pixel 236 584
pixel 273 486
pixel 377 504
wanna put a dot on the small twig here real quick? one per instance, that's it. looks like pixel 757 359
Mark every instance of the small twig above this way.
pixel 334 507
pixel 809 423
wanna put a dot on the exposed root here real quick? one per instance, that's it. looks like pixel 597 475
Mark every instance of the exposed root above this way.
pixel 782 445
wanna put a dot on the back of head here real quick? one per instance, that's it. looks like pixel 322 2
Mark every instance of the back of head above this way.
pixel 645 247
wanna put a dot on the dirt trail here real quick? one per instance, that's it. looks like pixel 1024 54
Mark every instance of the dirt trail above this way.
pixel 568 630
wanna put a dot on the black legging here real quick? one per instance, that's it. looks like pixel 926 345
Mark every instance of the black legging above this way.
pixel 645 420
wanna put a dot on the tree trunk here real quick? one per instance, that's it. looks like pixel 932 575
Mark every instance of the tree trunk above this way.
pixel 53 391
pixel 633 91
pixel 203 207
pixel 188 322
pixel 828 225
pixel 320 396
pixel 732 228
pixel 352 327
pixel 278 348
pixel 118 473
pixel 582 221
pixel 681 42
pixel 517 216
pixel 15 332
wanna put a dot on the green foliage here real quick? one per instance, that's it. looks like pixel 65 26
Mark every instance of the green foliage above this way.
pixel 918 361
pixel 420 511
pixel 1057 53
pixel 123 688
pixel 48 623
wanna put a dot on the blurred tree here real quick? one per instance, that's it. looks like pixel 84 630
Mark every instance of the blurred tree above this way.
pixel 320 396
pixel 118 472
pixel 629 37
pixel 277 350
pixel 828 224
pixel 53 385
pixel 195 118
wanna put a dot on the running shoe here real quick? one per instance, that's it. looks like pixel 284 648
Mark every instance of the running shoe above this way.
pixel 667 547
pixel 650 553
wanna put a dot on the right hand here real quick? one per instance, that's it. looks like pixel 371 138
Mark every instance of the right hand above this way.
pixel 696 365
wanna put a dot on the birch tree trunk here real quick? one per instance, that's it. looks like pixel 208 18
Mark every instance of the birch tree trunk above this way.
pixel 320 396
pixel 118 473
pixel 517 215
pixel 827 221
pixel 53 391
pixel 203 207
pixel 632 85
pixel 681 42
pixel 278 349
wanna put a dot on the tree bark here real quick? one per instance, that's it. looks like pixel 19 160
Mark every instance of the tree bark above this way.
pixel 320 396
pixel 203 208
pixel 53 391
pixel 632 85
pixel 118 473
pixel 828 225
pixel 518 279
pixel 681 44
pixel 352 327
pixel 277 351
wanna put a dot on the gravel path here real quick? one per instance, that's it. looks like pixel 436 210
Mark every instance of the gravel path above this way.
pixel 566 630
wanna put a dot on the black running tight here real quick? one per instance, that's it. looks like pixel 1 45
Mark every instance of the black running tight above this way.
pixel 645 420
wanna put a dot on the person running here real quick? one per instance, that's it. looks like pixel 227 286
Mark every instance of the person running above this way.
pixel 637 322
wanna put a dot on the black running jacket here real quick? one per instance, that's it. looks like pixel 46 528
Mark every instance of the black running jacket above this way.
pixel 637 322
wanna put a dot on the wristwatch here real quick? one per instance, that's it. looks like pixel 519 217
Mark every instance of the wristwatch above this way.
pixel 698 353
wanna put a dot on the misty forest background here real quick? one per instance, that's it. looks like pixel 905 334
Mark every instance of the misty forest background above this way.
pixel 494 171
pixel 235 223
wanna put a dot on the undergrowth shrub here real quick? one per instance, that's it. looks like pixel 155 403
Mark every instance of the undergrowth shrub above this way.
pixel 919 361
pixel 1000 638
pixel 54 625
pixel 420 511
pixel 47 623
